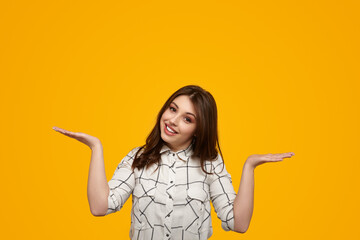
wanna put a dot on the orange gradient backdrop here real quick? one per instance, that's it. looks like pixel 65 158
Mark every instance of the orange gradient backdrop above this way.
pixel 285 76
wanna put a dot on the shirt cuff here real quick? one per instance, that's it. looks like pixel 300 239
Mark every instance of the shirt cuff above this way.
pixel 228 224
pixel 113 204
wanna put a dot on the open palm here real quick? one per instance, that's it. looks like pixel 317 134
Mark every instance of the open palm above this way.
pixel 87 139
pixel 258 159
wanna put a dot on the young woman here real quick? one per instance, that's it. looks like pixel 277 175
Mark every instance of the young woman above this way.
pixel 175 175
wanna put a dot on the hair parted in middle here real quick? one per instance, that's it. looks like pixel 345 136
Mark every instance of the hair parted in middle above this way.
pixel 206 142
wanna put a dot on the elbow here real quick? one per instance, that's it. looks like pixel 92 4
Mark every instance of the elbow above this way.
pixel 240 229
pixel 99 208
pixel 97 213
pixel 240 225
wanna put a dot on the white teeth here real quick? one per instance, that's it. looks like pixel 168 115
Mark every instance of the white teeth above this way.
pixel 169 129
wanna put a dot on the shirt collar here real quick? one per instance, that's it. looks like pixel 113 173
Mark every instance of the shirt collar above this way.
pixel 182 154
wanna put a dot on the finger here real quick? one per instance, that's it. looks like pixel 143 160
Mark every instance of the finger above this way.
pixel 277 154
pixel 290 154
pixel 284 154
pixel 67 133
pixel 59 129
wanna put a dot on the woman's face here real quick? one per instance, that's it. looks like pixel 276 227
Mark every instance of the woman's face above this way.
pixel 180 117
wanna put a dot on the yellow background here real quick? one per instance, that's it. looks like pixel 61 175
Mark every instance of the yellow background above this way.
pixel 285 76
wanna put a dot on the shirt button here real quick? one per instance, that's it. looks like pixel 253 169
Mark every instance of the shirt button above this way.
pixel 173 154
pixel 167 235
pixel 171 181
pixel 170 197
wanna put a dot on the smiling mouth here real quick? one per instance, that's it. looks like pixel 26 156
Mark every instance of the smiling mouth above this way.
pixel 169 129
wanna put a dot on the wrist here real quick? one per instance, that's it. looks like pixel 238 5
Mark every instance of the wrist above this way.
pixel 249 165
pixel 96 145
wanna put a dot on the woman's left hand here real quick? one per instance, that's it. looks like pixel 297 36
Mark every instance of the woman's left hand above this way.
pixel 257 159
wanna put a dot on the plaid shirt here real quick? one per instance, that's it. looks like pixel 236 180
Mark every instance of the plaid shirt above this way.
pixel 173 202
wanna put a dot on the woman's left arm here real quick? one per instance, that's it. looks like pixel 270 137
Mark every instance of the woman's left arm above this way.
pixel 244 200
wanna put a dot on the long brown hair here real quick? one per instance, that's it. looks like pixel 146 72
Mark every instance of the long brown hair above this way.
pixel 206 140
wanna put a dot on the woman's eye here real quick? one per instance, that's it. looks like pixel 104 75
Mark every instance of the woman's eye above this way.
pixel 174 110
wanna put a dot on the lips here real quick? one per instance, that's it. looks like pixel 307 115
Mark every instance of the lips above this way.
pixel 170 128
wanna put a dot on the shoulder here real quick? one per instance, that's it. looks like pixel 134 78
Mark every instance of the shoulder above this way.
pixel 218 165
pixel 214 165
pixel 131 154
pixel 218 160
pixel 134 150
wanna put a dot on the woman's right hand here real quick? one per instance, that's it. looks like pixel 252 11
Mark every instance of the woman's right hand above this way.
pixel 90 141
pixel 255 160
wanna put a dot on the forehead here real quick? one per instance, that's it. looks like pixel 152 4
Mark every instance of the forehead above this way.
pixel 184 103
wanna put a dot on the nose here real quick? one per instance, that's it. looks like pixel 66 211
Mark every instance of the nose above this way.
pixel 173 121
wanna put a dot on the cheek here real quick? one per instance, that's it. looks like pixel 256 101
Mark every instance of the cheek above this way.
pixel 189 130
pixel 165 115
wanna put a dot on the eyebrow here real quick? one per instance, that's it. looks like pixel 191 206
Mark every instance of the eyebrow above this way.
pixel 186 112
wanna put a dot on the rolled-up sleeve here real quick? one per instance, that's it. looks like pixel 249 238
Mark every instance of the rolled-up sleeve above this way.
pixel 122 183
pixel 222 194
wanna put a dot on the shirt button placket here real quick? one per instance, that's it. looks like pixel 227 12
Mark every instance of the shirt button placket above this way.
pixel 170 200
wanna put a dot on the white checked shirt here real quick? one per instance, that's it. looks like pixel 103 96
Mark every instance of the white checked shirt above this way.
pixel 174 201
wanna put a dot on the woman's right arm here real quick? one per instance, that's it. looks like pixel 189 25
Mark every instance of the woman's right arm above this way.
pixel 97 188
pixel 105 197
